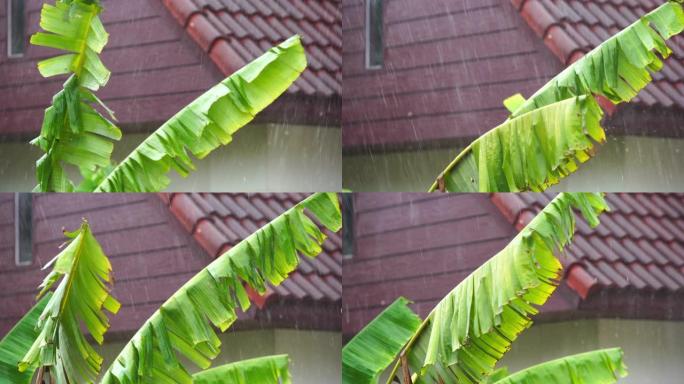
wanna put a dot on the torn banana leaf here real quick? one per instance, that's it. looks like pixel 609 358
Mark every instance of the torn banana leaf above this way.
pixel 183 324
pixel 378 344
pixel 262 370
pixel 73 133
pixel 208 122
pixel 472 328
pixel 530 152
pixel 17 342
pixel 598 367
pixel 617 69
pixel 74 26
pixel 78 300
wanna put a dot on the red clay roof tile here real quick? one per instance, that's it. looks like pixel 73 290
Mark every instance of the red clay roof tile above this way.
pixel 579 280
pixel 209 237
pixel 181 9
pixel 185 209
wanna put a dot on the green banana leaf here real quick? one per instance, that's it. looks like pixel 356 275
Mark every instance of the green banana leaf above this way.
pixel 617 69
pixel 209 121
pixel 597 367
pixel 73 131
pixel 621 66
pixel 77 300
pixel 373 349
pixel 17 342
pixel 471 329
pixel 74 26
pixel 497 375
pixel 183 323
pixel 530 152
pixel 262 370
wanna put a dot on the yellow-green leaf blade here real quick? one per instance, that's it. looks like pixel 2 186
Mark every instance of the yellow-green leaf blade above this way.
pixel 209 121
pixel 617 68
pixel 73 26
pixel 262 370
pixel 184 323
pixel 471 329
pixel 530 152
pixel 15 345
pixel 603 366
pixel 84 275
pixel 73 133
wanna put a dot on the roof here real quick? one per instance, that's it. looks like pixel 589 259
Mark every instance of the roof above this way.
pixel 571 28
pixel 234 32
pixel 638 249
pixel 153 253
pixel 220 221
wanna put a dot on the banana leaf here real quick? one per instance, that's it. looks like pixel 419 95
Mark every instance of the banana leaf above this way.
pixel 497 375
pixel 262 370
pixel 17 342
pixel 621 66
pixel 378 344
pixel 209 121
pixel 530 152
pixel 471 328
pixel 74 26
pixel 617 69
pixel 73 132
pixel 598 367
pixel 79 299
pixel 183 324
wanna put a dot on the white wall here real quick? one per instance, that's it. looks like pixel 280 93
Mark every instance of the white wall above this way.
pixel 411 171
pixel 261 158
pixel 631 164
pixel 653 349
pixel 314 356
pixel 623 164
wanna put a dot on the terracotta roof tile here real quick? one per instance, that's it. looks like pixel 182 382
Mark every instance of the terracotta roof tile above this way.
pixel 219 221
pixel 234 32
pixel 209 237
pixel 638 246
pixel 185 209
pixel 232 206
pixel 572 26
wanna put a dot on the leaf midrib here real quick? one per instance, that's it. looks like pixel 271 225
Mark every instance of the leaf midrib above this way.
pixel 71 274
